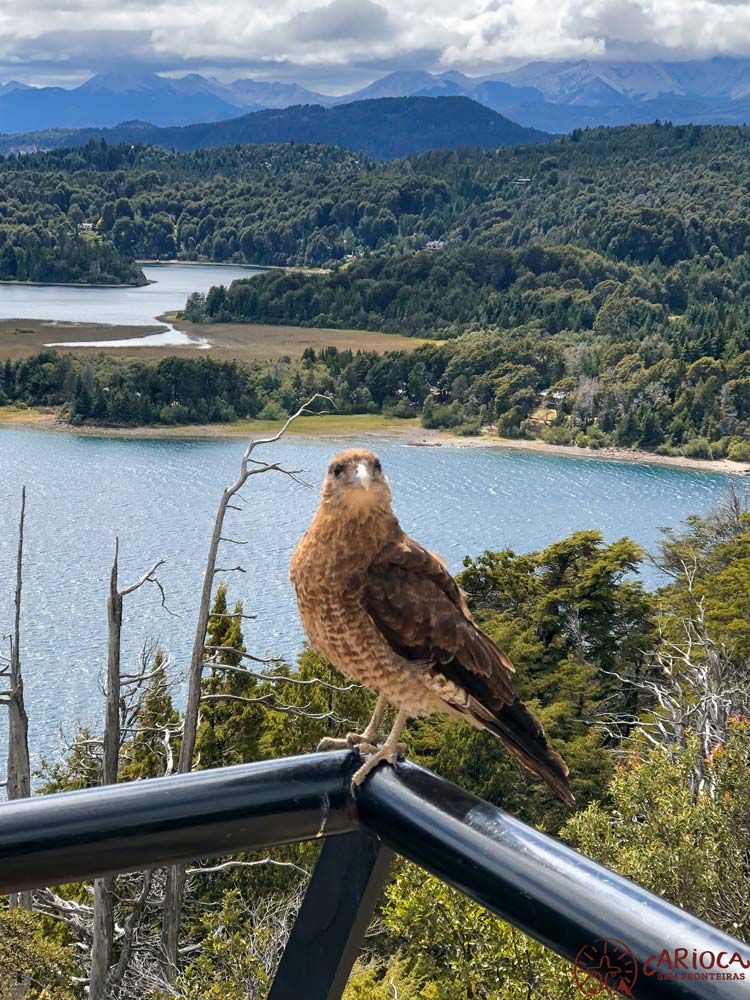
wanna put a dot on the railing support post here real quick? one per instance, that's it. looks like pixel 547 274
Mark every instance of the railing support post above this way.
pixel 330 927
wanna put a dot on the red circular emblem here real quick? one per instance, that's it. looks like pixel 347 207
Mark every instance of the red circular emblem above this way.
pixel 605 964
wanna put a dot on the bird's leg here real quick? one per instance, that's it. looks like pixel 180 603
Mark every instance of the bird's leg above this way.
pixel 363 741
pixel 389 751
pixel 372 730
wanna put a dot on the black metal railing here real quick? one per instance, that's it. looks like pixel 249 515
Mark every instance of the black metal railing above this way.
pixel 546 889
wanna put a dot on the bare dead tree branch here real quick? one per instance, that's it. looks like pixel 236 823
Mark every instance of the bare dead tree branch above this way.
pixel 279 678
pixel 285 709
pixel 18 784
pixel 693 688
pixel 116 715
pixel 117 972
pixel 242 653
pixel 249 466
pixel 227 865
pixel 235 614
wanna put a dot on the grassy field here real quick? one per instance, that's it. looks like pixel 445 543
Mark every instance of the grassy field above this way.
pixel 240 341
pixel 10 415
pixel 333 425
pixel 22 337
pixel 248 341
pixel 318 425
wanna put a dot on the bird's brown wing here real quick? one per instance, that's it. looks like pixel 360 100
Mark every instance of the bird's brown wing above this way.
pixel 419 608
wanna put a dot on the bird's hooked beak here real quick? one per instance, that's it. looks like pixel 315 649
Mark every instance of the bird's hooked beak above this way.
pixel 362 476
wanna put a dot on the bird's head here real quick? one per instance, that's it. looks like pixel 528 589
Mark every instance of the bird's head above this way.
pixel 355 480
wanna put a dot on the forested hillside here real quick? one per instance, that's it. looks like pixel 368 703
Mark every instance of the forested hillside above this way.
pixel 62 253
pixel 643 356
pixel 441 293
pixel 384 129
pixel 622 254
pixel 648 194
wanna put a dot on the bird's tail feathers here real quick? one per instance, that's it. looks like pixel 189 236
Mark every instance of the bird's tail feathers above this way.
pixel 522 734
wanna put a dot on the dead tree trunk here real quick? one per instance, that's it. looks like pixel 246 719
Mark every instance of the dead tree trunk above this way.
pixel 175 886
pixel 104 888
pixel 19 768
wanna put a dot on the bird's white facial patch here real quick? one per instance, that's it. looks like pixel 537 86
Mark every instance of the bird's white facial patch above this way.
pixel 362 475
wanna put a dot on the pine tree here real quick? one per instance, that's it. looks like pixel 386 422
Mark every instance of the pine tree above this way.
pixel 146 755
pixel 230 728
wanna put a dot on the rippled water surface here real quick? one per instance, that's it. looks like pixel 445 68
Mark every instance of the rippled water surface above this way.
pixel 160 498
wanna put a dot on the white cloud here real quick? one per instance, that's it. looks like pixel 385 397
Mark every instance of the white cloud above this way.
pixel 337 42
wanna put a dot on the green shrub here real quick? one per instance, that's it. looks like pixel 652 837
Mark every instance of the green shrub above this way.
pixel 402 410
pixel 597 437
pixel 272 411
pixel 698 447
pixel 470 429
pixel 557 435
pixel 439 415
pixel 739 451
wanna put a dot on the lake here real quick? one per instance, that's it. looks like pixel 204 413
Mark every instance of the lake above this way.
pixel 160 497
pixel 172 283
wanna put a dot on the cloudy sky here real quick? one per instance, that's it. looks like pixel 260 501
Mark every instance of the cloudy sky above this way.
pixel 334 45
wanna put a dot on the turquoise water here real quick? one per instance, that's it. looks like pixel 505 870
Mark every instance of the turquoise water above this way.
pixel 160 497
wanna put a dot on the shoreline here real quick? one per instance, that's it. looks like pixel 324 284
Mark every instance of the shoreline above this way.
pixel 611 454
pixel 405 431
pixel 75 284
pixel 148 281
pixel 223 263
pixel 207 263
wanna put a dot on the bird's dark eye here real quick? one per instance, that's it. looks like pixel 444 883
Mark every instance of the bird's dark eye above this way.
pixel 377 466
pixel 337 469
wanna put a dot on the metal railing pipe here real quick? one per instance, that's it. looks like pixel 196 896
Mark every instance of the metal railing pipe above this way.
pixel 49 839
pixel 541 886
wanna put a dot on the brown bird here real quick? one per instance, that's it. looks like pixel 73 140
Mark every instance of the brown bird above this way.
pixel 388 613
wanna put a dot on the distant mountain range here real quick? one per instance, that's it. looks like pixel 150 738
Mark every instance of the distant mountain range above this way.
pixel 552 96
pixel 562 96
pixel 385 128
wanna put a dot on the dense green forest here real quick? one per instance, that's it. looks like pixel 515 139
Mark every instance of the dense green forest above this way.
pixel 645 356
pixel 620 255
pixel 646 194
pixel 632 687
pixel 437 293
pixel 62 253
pixel 255 204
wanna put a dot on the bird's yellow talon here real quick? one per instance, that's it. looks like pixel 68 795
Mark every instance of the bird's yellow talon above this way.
pixel 389 753
pixel 332 743
pixel 352 741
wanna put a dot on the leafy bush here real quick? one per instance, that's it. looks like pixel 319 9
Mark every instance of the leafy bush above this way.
pixel 272 411
pixel 557 435
pixel 402 411
pixel 698 447
pixel 469 429
pixel 739 451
